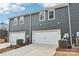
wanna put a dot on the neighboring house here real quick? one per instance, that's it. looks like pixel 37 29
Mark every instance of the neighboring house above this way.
pixel 46 26
pixel 3 32
pixel 3 26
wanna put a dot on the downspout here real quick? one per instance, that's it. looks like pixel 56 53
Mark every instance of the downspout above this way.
pixel 8 32
pixel 30 29
pixel 69 24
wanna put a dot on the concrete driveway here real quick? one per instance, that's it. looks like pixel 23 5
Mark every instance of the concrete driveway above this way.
pixel 32 50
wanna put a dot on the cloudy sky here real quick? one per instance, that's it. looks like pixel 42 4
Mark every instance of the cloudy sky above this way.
pixel 12 9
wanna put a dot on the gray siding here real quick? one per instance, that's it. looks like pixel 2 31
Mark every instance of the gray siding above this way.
pixel 61 17
pixel 74 10
pixel 20 27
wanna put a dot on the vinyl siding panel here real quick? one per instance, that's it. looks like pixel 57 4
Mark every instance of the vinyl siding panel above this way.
pixel 61 17
pixel 74 10
pixel 20 27
pixel 60 22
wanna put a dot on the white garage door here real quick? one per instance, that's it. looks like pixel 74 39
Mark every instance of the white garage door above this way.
pixel 46 36
pixel 13 36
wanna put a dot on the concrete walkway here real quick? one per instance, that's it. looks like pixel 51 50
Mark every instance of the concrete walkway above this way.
pixel 4 45
pixel 32 50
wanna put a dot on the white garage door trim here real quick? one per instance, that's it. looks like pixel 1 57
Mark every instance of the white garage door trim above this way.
pixel 57 33
pixel 13 36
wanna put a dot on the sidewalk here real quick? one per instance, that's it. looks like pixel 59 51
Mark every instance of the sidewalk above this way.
pixel 4 45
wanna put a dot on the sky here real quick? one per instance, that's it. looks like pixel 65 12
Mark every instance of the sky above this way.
pixel 13 9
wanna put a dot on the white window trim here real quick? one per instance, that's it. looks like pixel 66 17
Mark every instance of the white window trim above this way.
pixel 54 14
pixel 40 14
pixel 15 20
pixel 21 19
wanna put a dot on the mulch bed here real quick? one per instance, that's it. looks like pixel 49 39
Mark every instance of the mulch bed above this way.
pixel 63 53
pixel 67 52
pixel 11 47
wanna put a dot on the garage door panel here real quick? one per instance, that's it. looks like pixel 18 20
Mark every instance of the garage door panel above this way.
pixel 13 36
pixel 46 37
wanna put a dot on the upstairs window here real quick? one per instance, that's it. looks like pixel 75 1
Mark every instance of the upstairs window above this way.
pixel 51 14
pixel 42 16
pixel 15 21
pixel 21 20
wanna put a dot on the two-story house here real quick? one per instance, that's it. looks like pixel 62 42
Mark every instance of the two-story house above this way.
pixel 46 26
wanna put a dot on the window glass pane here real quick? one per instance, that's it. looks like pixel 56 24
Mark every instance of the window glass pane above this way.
pixel 21 20
pixel 51 12
pixel 51 16
pixel 42 15
pixel 15 20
